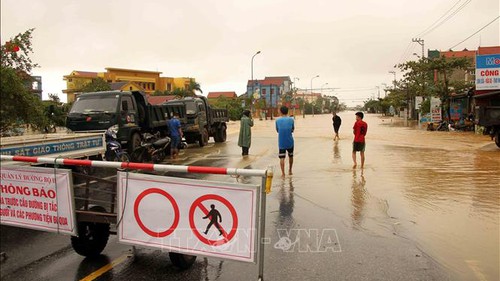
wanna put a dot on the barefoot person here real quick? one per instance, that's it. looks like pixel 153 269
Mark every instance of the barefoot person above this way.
pixel 174 126
pixel 360 128
pixel 336 125
pixel 285 127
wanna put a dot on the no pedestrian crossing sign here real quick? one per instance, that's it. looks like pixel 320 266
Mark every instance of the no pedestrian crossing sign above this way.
pixel 188 216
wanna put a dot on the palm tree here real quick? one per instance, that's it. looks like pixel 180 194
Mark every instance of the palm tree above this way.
pixel 192 88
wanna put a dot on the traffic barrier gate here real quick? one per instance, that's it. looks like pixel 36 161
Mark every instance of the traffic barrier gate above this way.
pixel 42 198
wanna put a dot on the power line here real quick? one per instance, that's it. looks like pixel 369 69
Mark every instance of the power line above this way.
pixel 447 18
pixel 475 32
pixel 430 26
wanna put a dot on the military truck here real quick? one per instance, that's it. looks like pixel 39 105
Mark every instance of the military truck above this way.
pixel 201 121
pixel 127 112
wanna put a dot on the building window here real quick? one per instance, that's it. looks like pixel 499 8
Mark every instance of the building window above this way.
pixel 70 80
pixel 264 92
pixel 153 86
pixel 169 87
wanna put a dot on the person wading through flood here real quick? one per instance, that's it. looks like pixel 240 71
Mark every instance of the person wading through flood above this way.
pixel 245 138
pixel 213 215
pixel 285 127
pixel 336 125
pixel 174 126
pixel 360 128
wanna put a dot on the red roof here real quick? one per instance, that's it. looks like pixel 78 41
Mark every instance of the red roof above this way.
pixel 159 99
pixel 272 80
pixel 213 95
pixel 459 54
pixel 488 50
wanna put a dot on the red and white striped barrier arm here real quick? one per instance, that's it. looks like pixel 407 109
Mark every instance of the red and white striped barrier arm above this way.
pixel 137 166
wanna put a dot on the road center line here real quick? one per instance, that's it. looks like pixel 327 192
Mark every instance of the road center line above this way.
pixel 106 268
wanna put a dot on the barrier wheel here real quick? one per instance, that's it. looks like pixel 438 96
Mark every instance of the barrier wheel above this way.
pixel 182 261
pixel 92 237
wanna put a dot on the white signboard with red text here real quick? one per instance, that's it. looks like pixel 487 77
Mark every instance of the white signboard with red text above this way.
pixel 188 216
pixel 488 72
pixel 37 198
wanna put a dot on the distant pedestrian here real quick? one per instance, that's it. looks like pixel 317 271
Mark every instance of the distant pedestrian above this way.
pixel 336 125
pixel 285 127
pixel 174 126
pixel 360 128
pixel 245 138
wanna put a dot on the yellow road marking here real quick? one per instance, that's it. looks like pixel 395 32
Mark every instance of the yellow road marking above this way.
pixel 106 268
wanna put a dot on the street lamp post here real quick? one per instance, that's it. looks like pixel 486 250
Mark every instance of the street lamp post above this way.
pixel 311 92
pixel 321 96
pixel 253 82
pixel 394 81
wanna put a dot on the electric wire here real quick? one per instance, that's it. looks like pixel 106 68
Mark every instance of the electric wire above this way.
pixel 475 32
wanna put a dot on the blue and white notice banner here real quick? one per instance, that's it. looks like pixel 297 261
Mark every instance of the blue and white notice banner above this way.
pixel 53 147
pixel 488 72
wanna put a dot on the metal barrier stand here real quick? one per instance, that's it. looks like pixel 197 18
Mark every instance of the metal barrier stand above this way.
pixel 266 176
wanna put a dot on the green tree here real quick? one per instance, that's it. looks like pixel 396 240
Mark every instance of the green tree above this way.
pixel 233 106
pixel 18 104
pixel 192 88
pixel 98 84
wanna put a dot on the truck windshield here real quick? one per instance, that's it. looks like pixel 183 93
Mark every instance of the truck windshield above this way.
pixel 190 108
pixel 95 104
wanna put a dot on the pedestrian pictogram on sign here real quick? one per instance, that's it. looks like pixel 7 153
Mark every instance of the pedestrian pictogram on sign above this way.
pixel 213 215
pixel 137 216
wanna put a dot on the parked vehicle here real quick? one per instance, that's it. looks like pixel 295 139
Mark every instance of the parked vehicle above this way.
pixel 130 111
pixel 201 120
pixel 114 150
pixel 153 148
pixel 489 118
pixel 443 126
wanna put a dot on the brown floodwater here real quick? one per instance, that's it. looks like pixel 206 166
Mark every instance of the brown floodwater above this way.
pixel 438 189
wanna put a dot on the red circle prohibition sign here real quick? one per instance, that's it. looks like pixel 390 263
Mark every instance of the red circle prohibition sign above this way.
pixel 138 218
pixel 197 204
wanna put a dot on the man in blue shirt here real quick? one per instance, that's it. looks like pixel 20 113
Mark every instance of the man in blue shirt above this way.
pixel 174 126
pixel 284 127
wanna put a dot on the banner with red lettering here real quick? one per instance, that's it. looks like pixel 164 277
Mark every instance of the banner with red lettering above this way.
pixel 37 198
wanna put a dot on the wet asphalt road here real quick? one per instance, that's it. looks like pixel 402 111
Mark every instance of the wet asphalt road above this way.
pixel 424 208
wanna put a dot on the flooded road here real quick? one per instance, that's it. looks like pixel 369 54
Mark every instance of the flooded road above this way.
pixel 425 207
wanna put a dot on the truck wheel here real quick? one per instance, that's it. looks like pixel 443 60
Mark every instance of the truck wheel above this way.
pixel 497 138
pixel 135 142
pixel 181 261
pixel 203 138
pixel 92 237
pixel 221 134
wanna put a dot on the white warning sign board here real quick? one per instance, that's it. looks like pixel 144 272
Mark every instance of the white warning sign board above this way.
pixel 37 198
pixel 188 216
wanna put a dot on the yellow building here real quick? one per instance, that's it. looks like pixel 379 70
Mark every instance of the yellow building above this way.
pixel 143 80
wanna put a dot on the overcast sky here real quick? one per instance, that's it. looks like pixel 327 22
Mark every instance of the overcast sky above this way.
pixel 350 44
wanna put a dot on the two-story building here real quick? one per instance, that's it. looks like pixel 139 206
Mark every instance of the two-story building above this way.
pixel 268 92
pixel 124 79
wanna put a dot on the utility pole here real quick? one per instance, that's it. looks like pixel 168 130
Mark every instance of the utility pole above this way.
pixel 421 42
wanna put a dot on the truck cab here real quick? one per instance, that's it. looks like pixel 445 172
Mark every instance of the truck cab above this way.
pixel 101 110
pixel 201 120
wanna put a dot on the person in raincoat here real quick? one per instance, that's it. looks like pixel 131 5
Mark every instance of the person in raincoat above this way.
pixel 245 138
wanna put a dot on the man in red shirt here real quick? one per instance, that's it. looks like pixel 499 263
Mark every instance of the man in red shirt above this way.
pixel 360 128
